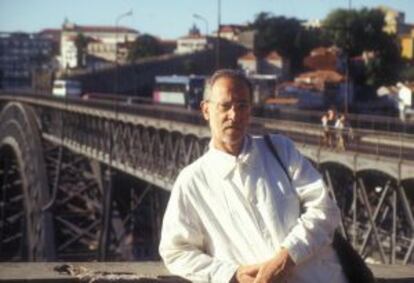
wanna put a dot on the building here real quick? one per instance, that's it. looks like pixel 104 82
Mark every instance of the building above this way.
pixel 312 24
pixel 320 79
pixel 240 34
pixel 264 86
pixel 406 100
pixel 271 64
pixel 400 97
pixel 21 55
pixel 274 64
pixel 407 45
pixel 102 42
pixel 247 39
pixel 395 24
pixel 406 94
pixel 193 42
pixel 317 90
pixel 53 35
pixel 231 32
pixel 249 63
pixel 394 20
pixel 324 58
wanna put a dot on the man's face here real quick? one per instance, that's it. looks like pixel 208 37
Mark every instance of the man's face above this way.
pixel 228 113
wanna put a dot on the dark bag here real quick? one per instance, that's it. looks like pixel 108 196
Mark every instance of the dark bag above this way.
pixel 354 267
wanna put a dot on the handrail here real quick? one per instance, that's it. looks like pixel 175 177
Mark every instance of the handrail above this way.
pixel 364 121
pixel 372 141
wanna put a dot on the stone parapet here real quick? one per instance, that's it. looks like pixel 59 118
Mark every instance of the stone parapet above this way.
pixel 142 272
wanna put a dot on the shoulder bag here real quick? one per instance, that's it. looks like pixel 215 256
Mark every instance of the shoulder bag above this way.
pixel 354 267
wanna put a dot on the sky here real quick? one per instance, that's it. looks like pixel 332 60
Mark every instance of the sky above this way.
pixel 169 19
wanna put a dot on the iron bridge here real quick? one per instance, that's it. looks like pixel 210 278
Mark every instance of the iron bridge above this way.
pixel 89 179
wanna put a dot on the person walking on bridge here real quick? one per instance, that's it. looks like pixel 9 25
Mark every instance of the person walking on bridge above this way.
pixel 237 215
pixel 342 130
pixel 328 125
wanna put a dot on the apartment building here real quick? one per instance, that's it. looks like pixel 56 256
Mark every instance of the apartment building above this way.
pixel 22 54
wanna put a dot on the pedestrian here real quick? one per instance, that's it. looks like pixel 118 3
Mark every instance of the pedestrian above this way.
pixel 325 129
pixel 328 123
pixel 237 214
pixel 340 132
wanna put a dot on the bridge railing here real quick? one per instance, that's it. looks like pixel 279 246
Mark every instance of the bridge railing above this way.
pixel 376 135
pixel 398 145
pixel 360 121
pixel 356 121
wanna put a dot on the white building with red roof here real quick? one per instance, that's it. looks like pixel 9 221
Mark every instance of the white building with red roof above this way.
pixel 231 31
pixel 271 64
pixel 325 58
pixel 193 42
pixel 102 42
pixel 249 63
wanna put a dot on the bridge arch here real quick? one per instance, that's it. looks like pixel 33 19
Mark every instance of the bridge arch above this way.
pixel 345 162
pixel 21 148
pixel 391 170
pixel 355 163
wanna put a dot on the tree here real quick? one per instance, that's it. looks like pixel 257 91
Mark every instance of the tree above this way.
pixel 81 44
pixel 145 46
pixel 286 36
pixel 356 31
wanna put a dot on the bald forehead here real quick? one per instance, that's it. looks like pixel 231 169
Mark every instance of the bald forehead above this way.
pixel 230 86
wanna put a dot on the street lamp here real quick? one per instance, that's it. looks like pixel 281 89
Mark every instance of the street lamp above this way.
pixel 346 102
pixel 199 17
pixel 218 34
pixel 107 205
pixel 118 19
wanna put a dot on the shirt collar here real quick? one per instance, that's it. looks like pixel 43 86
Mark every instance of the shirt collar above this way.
pixel 224 163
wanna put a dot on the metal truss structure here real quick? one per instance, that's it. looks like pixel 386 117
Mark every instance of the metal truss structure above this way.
pixel 377 215
pixel 93 178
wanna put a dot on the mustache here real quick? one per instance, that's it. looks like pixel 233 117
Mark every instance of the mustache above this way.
pixel 230 125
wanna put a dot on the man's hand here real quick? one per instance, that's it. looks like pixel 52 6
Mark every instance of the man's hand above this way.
pixel 246 274
pixel 276 268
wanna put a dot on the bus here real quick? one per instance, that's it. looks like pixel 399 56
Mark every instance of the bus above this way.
pixel 185 91
pixel 69 88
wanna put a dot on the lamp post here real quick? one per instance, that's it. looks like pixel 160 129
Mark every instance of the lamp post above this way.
pixel 199 17
pixel 347 67
pixel 109 174
pixel 218 34
pixel 118 19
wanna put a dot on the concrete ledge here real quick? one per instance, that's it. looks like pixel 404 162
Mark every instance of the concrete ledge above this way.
pixel 142 272
pixel 60 272
pixel 393 273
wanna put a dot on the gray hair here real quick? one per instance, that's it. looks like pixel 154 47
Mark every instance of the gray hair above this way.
pixel 227 73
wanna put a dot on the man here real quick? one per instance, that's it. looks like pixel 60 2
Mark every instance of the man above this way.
pixel 234 215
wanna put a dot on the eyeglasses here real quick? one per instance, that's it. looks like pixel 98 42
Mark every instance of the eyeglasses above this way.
pixel 226 106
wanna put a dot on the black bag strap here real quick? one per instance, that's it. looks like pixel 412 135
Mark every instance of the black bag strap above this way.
pixel 353 265
pixel 275 153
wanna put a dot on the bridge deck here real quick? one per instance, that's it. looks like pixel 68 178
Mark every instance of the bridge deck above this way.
pixel 138 272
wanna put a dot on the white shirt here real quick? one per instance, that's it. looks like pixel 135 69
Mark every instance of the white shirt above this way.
pixel 339 124
pixel 226 211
